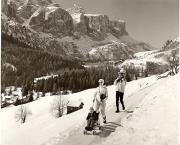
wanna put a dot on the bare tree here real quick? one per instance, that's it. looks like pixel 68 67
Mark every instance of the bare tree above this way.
pixel 173 60
pixel 58 105
pixel 22 113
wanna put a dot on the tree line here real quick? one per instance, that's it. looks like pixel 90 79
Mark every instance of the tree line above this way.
pixel 77 80
pixel 30 63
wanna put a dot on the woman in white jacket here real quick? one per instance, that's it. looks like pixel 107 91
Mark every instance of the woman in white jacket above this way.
pixel 120 84
pixel 100 98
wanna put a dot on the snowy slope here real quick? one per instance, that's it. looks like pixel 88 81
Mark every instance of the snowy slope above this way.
pixel 145 53
pixel 42 128
pixel 155 121
pixel 112 50
pixel 157 56
pixel 142 57
pixel 42 124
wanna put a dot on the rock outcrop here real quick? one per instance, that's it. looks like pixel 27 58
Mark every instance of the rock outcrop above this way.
pixel 27 8
pixel 9 8
pixel 69 32
pixel 118 28
pixel 76 9
pixel 44 16
pixel 96 26
pixel 37 40
pixel 77 14
pixel 52 19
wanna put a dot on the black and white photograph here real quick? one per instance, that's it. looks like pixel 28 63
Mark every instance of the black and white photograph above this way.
pixel 89 72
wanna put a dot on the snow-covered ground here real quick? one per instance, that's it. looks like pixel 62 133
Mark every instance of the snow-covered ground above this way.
pixel 154 121
pixel 158 56
pixel 45 77
pixel 147 56
pixel 93 15
pixel 145 53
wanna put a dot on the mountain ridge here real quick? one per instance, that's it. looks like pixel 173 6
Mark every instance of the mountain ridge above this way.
pixel 69 33
pixel 50 22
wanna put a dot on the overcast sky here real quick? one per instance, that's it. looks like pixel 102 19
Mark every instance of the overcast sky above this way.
pixel 152 21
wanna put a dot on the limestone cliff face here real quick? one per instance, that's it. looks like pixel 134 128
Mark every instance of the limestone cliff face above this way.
pixel 52 19
pixel 69 32
pixel 44 16
pixel 38 40
pixel 95 25
pixel 22 9
pixel 79 23
pixel 118 28
pixel 9 8
pixel 26 10
pixel 28 7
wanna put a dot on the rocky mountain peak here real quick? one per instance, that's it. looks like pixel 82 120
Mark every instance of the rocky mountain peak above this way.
pixel 52 19
pixel 77 31
pixel 76 9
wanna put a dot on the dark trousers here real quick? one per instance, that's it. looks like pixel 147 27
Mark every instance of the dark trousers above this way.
pixel 119 95
pixel 90 124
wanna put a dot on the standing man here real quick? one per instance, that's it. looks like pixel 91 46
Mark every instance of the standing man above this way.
pixel 120 84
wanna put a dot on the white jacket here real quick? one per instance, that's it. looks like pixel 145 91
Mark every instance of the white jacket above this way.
pixel 99 91
pixel 120 86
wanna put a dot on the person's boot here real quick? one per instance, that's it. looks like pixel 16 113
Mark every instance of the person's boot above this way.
pixel 104 119
pixel 117 111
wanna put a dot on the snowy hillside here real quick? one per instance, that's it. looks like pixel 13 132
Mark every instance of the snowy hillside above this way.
pixel 154 119
pixel 174 45
pixel 157 56
pixel 112 50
